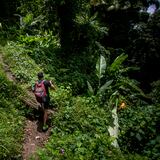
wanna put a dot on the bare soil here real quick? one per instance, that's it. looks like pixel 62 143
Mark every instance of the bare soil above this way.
pixel 34 138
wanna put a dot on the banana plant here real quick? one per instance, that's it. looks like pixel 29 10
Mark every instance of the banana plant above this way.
pixel 101 66
pixel 115 77
pixel 115 81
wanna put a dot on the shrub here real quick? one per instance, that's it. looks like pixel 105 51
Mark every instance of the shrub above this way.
pixel 139 130
pixel 79 132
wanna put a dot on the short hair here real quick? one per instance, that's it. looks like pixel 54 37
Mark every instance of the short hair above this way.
pixel 40 75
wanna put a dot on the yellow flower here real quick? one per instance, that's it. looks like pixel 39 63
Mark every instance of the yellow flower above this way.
pixel 122 105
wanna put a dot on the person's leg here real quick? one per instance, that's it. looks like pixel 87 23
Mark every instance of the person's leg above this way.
pixel 45 116
pixel 41 111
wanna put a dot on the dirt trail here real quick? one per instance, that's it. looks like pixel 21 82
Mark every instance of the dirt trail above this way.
pixel 33 136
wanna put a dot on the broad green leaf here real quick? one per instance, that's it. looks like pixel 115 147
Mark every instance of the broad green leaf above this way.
pixel 118 62
pixel 100 67
pixel 104 87
pixel 90 89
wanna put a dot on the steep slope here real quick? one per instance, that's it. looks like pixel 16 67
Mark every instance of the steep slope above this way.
pixel 33 136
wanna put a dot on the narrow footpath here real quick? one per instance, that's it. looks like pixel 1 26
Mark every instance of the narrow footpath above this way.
pixel 34 138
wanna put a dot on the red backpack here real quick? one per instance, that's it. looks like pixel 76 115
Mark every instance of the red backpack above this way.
pixel 40 91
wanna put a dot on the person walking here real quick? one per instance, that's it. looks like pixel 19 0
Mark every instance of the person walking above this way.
pixel 41 92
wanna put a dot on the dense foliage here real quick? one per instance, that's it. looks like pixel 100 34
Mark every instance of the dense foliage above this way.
pixel 103 56
pixel 142 138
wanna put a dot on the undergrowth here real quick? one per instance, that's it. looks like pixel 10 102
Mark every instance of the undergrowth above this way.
pixel 81 131
pixel 11 120
pixel 80 127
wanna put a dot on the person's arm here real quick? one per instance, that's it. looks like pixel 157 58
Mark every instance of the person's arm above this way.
pixel 52 85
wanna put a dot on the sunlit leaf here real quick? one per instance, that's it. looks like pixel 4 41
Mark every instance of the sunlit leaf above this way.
pixel 101 66
pixel 118 62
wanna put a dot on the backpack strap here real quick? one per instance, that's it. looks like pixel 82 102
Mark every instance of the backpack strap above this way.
pixel 37 82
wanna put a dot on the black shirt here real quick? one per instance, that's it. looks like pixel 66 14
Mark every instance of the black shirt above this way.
pixel 47 84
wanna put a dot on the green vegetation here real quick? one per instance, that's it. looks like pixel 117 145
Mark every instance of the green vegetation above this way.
pixel 11 120
pixel 107 101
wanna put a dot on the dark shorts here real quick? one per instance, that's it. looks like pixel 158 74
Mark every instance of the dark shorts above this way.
pixel 44 101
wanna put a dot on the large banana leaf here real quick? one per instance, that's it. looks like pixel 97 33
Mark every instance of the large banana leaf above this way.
pixel 100 67
pixel 103 88
pixel 118 62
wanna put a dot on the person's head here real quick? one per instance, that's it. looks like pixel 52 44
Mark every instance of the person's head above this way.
pixel 40 75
